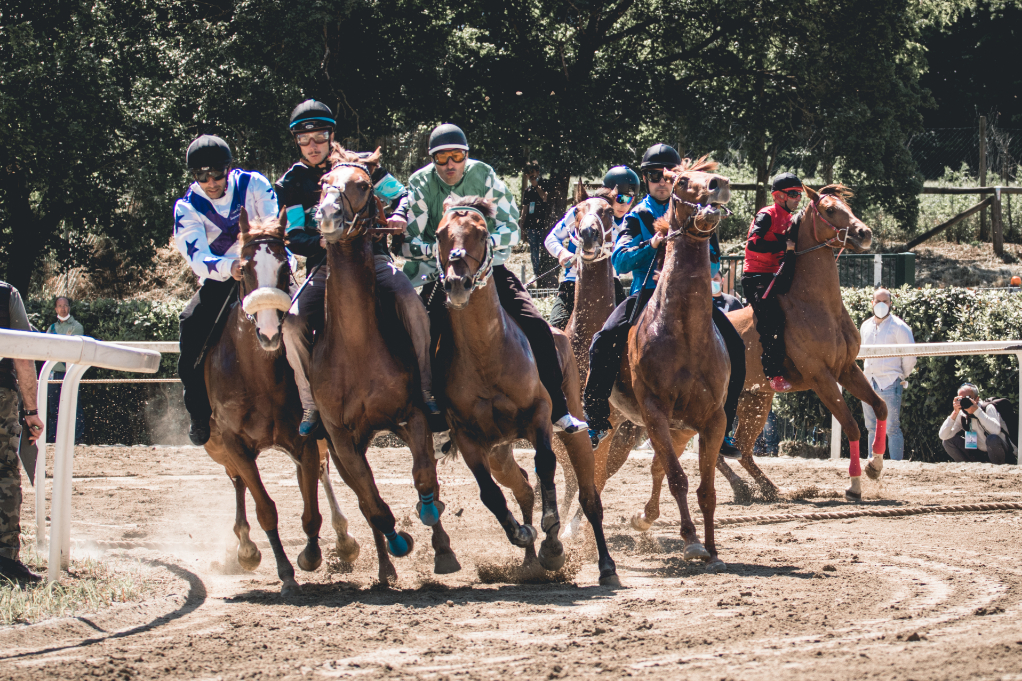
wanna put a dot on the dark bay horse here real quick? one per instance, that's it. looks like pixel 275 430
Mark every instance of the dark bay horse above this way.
pixel 674 376
pixel 364 380
pixel 494 394
pixel 256 406
pixel 820 338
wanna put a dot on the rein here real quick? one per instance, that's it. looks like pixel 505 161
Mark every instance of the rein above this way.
pixel 485 265
pixel 369 212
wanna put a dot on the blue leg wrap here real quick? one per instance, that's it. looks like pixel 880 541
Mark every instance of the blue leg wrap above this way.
pixel 396 544
pixel 429 514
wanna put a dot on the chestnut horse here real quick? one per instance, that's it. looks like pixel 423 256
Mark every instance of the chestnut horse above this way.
pixel 494 394
pixel 819 336
pixel 594 301
pixel 365 381
pixel 256 407
pixel 675 374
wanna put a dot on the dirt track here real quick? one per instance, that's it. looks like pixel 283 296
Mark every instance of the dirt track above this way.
pixel 923 597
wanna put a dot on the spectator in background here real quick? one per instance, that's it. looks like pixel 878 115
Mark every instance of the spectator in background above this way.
pixel 724 302
pixel 888 376
pixel 66 325
pixel 974 432
pixel 535 222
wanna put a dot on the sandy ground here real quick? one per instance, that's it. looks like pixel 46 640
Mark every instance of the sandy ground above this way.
pixel 921 597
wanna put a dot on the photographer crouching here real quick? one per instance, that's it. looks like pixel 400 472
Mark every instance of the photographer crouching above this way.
pixel 974 431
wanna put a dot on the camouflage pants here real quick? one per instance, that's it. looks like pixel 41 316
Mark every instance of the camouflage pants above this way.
pixel 10 475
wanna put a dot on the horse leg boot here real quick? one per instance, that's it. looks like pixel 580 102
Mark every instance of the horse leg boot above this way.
pixel 522 536
pixel 249 556
pixel 858 385
pixel 551 551
pixel 347 547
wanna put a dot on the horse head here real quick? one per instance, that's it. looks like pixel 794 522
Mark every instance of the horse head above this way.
pixel 832 220
pixel 265 277
pixel 347 207
pixel 594 227
pixel 464 251
pixel 698 198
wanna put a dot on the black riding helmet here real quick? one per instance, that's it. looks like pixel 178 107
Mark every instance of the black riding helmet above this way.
pixel 660 156
pixel 785 181
pixel 311 115
pixel 208 151
pixel 624 178
pixel 447 136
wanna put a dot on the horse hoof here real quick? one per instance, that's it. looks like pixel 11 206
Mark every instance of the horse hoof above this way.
pixel 387 574
pixel 696 551
pixel 853 497
pixel 290 588
pixel 640 523
pixel 551 554
pixel 873 472
pixel 445 564
pixel 348 550
pixel 610 580
pixel 716 565
pixel 523 536
pixel 742 492
pixel 401 545
pixel 249 560
pixel 309 561
pixel 429 514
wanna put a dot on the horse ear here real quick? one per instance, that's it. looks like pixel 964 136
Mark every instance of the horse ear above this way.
pixel 580 192
pixel 811 193
pixel 243 221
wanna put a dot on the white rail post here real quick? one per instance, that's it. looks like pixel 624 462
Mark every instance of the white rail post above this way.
pixel 63 460
pixel 42 401
pixel 878 269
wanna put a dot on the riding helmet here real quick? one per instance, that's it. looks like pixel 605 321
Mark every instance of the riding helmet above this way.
pixel 785 181
pixel 624 178
pixel 447 136
pixel 660 156
pixel 208 151
pixel 311 115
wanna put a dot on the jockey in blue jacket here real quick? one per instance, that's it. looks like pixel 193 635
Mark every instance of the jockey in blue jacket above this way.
pixel 637 252
pixel 620 185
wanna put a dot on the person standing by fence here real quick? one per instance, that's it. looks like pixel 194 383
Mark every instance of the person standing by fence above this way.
pixel 888 375
pixel 534 221
pixel 18 416
pixel 66 325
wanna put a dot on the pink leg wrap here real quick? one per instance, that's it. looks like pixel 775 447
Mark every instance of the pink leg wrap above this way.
pixel 854 468
pixel 880 443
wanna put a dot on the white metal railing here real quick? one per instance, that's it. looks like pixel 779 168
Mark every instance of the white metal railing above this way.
pixel 79 353
pixel 933 350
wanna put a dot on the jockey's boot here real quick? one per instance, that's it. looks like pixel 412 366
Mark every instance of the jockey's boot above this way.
pixel 310 422
pixel 599 428
pixel 570 424
pixel 729 448
pixel 779 384
pixel 17 572
pixel 435 418
pixel 198 430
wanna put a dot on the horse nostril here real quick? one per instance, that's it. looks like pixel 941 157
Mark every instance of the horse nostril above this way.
pixel 713 184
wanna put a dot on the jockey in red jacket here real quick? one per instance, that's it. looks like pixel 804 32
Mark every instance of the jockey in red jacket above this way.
pixel 768 243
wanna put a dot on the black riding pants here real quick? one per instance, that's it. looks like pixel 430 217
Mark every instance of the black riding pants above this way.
pixel 769 321
pixel 609 345
pixel 199 325
pixel 517 302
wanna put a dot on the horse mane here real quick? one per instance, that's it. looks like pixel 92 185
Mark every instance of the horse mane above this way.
pixel 339 154
pixel 265 227
pixel 838 190
pixel 703 164
pixel 662 225
pixel 483 205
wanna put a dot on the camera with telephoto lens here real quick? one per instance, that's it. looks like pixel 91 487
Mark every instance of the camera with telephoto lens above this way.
pixel 965 402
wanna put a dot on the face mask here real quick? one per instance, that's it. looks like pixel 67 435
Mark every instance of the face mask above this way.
pixel 715 287
pixel 881 310
pixel 64 319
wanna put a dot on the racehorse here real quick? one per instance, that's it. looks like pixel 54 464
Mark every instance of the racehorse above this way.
pixel 364 380
pixel 494 394
pixel 819 336
pixel 674 376
pixel 256 407
pixel 594 301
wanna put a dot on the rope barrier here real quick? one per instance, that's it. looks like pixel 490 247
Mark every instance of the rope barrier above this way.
pixel 121 380
pixel 86 544
pixel 871 513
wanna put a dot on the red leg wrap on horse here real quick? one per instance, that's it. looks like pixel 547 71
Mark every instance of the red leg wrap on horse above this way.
pixel 854 469
pixel 880 443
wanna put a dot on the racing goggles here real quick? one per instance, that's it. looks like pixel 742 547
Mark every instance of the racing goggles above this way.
pixel 625 199
pixel 442 157
pixel 204 175
pixel 790 193
pixel 304 139
pixel 655 176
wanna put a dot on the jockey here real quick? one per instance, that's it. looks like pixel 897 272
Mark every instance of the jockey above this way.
pixel 452 173
pixel 206 232
pixel 635 252
pixel 312 125
pixel 768 244
pixel 619 186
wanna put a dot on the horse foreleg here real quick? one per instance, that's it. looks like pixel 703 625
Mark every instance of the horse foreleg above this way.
pixel 582 462
pixel 710 440
pixel 644 520
pixel 858 385
pixel 609 457
pixel 507 472
pixel 347 547
pixel 476 458
pixel 826 388
pixel 312 520
pixel 754 409
pixel 249 556
pixel 266 512
pixel 551 551
pixel 570 481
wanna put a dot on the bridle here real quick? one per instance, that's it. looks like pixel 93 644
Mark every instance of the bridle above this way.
pixel 368 213
pixel 482 273
pixel 835 241
pixel 606 248
pixel 269 240
pixel 697 210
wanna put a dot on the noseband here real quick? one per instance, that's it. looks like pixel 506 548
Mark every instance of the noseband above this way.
pixel 270 240
pixel 697 209
pixel 367 213
pixel 485 266
pixel 606 248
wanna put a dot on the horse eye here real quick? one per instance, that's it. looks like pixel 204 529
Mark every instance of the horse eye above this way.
pixel 830 210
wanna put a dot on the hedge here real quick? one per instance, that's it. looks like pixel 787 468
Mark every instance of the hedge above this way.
pixel 112 413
